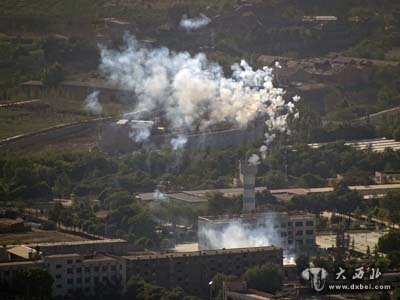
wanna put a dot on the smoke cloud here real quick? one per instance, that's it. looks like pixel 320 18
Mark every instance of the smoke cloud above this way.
pixel 141 130
pixel 92 103
pixel 193 92
pixel 178 142
pixel 239 235
pixel 191 24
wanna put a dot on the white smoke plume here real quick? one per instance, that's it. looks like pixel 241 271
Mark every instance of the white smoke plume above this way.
pixel 141 130
pixel 159 196
pixel 92 103
pixel 178 142
pixel 193 92
pixel 191 24
pixel 240 235
pixel 254 159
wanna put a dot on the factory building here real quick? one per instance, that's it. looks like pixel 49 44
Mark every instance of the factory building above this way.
pixel 293 231
pixel 192 271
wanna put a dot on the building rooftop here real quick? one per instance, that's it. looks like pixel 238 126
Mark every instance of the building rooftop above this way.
pixel 74 243
pixel 8 222
pixel 256 215
pixel 201 253
pixel 20 263
pixel 22 251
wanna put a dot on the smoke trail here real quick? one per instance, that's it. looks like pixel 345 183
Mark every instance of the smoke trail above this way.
pixel 193 92
pixel 190 24
pixel 92 103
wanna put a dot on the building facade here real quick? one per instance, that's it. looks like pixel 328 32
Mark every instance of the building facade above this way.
pixel 77 274
pixel 192 271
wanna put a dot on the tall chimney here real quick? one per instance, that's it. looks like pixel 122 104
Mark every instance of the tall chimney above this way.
pixel 248 178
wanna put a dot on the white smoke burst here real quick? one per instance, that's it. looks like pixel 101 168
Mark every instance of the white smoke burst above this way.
pixel 239 235
pixel 92 103
pixel 193 92
pixel 178 142
pixel 191 24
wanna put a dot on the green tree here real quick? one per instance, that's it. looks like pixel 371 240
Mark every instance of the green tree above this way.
pixel 267 278
pixel 391 203
pixel 389 242
pixel 33 284
pixel 302 263
pixel 53 75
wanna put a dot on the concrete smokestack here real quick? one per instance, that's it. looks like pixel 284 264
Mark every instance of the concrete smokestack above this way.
pixel 248 173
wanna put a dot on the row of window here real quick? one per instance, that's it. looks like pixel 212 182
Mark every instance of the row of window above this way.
pixel 300 223
pixel 88 269
pixel 301 242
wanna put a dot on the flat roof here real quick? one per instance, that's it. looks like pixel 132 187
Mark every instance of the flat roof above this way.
pixel 201 194
pixel 202 253
pixel 74 243
pixel 20 263
pixel 187 197
pixel 63 255
pixel 7 221
pixel 21 251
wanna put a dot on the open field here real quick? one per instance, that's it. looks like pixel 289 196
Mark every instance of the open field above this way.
pixel 50 111
pixel 361 240
pixel 37 236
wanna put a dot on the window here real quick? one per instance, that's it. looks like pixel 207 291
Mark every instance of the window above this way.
pixel 79 280
pixel 290 224
pixel 310 223
pixel 283 234
pixel 113 268
pixel 87 279
pixel 310 242
pixel 69 261
pixel 69 271
pixel 58 276
pixel 79 270
pixel 58 266
pixel 299 242
pixel 283 225
pixel 309 232
pixel 290 242
pixel 78 261
pixel 96 269
pixel 104 268
pixel 87 269
pixel 104 278
pixel 87 290
pixel 70 280
pixel 59 286
pixel 298 223
pixel 299 232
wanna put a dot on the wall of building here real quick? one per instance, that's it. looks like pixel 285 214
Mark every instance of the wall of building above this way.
pixel 193 271
pixel 74 273
pixel 116 246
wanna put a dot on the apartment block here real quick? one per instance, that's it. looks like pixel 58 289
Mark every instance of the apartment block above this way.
pixel 75 273
pixel 192 271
